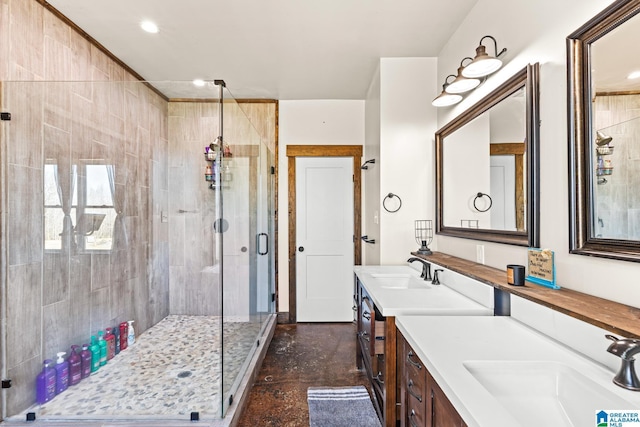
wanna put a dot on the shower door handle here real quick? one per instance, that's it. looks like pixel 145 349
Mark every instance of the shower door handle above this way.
pixel 266 240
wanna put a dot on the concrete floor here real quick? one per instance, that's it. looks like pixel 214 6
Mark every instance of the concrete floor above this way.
pixel 301 356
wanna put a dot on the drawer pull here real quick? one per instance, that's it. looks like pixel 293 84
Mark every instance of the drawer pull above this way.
pixel 411 416
pixel 416 364
pixel 377 378
pixel 366 315
pixel 364 334
pixel 412 393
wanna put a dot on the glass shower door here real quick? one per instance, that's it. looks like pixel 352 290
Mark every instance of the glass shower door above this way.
pixel 246 245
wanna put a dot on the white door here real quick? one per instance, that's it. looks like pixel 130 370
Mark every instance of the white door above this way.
pixel 324 239
pixel 503 193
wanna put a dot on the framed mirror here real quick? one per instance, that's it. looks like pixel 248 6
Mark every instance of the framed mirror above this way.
pixel 487 166
pixel 603 61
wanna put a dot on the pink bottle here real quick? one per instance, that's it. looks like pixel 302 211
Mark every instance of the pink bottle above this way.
pixel 75 366
pixel 85 361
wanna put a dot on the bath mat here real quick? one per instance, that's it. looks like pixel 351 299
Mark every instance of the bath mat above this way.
pixel 341 407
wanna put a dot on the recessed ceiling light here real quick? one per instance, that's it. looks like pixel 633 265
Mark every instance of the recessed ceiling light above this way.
pixel 149 27
pixel 198 82
pixel 634 75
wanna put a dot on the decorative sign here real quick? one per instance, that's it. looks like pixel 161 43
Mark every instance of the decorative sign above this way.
pixel 542 268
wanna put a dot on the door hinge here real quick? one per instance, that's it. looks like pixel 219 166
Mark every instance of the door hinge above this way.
pixel 273 297
pixel 5 116
pixel 273 170
pixel 6 383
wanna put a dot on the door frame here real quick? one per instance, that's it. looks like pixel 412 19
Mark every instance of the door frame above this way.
pixel 293 151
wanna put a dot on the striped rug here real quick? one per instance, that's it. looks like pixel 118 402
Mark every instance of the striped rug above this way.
pixel 341 407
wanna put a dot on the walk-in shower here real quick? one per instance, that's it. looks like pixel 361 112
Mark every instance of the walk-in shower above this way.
pixel 143 201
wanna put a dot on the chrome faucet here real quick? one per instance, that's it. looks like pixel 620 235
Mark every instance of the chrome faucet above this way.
pixel 426 267
pixel 625 349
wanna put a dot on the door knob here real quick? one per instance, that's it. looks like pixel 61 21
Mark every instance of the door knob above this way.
pixel 301 249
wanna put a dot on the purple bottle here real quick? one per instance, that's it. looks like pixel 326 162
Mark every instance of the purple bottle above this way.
pixel 75 366
pixel 85 361
pixel 62 373
pixel 46 383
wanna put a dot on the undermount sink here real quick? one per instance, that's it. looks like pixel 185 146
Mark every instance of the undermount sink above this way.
pixel 544 393
pixel 399 281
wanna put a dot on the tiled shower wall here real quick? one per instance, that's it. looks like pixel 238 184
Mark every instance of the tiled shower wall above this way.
pixel 618 207
pixel 60 297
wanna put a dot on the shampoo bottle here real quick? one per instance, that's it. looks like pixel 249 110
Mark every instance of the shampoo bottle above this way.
pixel 103 348
pixel 124 333
pixel 116 334
pixel 85 361
pixel 75 366
pixel 46 383
pixel 111 344
pixel 131 337
pixel 95 354
pixel 62 373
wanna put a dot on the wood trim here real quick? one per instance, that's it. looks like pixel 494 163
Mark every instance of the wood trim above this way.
pixel 619 93
pixel 614 317
pixel 324 151
pixel 216 100
pixel 390 409
pixel 294 151
pixel 292 241
pixel 516 149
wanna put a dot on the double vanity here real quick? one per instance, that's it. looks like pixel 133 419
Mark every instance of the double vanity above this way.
pixel 436 354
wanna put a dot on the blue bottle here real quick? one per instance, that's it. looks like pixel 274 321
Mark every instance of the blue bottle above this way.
pixel 46 383
pixel 62 373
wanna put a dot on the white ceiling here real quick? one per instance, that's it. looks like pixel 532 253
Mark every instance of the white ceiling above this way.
pixel 277 49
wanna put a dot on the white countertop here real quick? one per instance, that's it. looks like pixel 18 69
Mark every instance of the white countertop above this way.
pixel 421 298
pixel 462 341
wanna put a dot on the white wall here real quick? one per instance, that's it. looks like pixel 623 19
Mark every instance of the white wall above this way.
pixel 407 127
pixel 321 122
pixel 371 177
pixel 536 32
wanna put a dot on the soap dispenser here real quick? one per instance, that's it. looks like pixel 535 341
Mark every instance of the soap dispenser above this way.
pixel 62 373
pixel 85 360
pixel 131 337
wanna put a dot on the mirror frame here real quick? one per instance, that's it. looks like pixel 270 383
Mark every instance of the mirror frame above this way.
pixel 580 115
pixel 528 78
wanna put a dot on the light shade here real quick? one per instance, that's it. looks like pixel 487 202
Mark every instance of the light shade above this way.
pixel 482 65
pixel 462 84
pixel 445 99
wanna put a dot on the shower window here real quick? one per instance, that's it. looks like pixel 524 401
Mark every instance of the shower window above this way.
pixel 88 224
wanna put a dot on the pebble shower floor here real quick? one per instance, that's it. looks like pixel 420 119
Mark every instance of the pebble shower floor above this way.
pixel 173 369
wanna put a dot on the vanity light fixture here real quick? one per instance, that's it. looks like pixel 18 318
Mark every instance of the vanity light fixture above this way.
pixel 484 64
pixel 149 27
pixel 445 99
pixel 462 84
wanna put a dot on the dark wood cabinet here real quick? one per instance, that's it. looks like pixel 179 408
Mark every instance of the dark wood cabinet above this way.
pixel 422 401
pixel 376 354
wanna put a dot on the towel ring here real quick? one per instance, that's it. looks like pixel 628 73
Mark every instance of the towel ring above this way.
pixel 481 195
pixel 391 196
